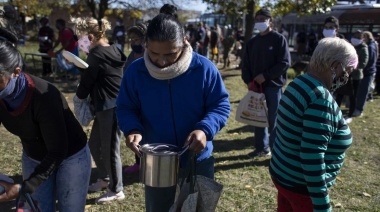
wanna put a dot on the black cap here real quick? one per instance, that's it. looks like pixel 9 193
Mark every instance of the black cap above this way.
pixel 265 12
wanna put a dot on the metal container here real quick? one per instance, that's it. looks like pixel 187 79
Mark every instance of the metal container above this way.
pixel 159 164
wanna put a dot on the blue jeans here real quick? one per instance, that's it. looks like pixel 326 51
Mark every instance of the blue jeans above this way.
pixel 161 199
pixel 363 90
pixel 263 139
pixel 68 183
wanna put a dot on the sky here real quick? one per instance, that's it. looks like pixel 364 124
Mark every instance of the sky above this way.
pixel 194 5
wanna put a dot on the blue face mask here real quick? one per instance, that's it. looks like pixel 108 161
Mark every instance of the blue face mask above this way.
pixel 137 48
pixel 8 90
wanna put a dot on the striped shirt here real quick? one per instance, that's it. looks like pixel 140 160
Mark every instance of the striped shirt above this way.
pixel 312 137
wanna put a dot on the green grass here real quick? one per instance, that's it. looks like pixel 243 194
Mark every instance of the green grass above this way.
pixel 247 185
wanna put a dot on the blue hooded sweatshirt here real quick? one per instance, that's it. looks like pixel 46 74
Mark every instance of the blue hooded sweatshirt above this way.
pixel 167 111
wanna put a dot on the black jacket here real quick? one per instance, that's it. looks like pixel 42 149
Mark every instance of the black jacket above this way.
pixel 101 80
pixel 48 130
pixel 269 55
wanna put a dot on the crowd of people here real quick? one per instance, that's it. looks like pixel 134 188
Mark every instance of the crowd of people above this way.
pixel 171 69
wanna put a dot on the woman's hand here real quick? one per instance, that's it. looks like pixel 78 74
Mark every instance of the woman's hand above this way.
pixel 132 141
pixel 11 191
pixel 197 140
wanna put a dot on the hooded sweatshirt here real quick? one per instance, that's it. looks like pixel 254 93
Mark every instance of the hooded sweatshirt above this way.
pixel 102 79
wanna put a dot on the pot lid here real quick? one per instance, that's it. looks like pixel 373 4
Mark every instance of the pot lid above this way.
pixel 159 149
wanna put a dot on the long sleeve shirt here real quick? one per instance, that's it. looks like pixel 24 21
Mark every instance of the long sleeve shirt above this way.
pixel 312 137
pixel 268 55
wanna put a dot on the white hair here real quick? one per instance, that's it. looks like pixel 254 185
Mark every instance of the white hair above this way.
pixel 330 50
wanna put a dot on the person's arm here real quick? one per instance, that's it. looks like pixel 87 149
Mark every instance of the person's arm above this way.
pixel 128 104
pixel 282 61
pixel 317 132
pixel 363 57
pixel 88 77
pixel 217 106
pixel 246 72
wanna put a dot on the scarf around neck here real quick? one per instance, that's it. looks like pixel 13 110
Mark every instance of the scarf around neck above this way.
pixel 174 70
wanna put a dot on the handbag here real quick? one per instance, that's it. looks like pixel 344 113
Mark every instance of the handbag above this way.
pixel 199 193
pixel 252 109
pixel 83 110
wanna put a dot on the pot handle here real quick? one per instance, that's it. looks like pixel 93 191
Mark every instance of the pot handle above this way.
pixel 160 146
pixel 185 148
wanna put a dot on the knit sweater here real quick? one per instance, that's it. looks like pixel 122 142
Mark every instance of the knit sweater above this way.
pixel 312 137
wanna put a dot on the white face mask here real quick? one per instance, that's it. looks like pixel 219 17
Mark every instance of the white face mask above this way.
pixel 329 33
pixel 338 82
pixel 356 41
pixel 262 26
pixel 84 44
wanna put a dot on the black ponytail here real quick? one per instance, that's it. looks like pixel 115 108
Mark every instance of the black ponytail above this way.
pixel 165 27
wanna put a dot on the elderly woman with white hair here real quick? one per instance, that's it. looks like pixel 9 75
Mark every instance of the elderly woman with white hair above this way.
pixel 312 135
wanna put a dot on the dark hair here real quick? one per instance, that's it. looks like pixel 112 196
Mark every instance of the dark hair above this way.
pixel 8 35
pixel 165 27
pixel 169 9
pixel 61 22
pixel 139 29
pixel 332 19
pixel 265 12
pixel 10 58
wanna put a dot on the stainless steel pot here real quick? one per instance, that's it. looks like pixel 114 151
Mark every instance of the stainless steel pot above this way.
pixel 159 164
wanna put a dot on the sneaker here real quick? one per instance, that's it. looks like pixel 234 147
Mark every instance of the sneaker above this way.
pixel 259 154
pixel 110 196
pixel 348 120
pixel 132 169
pixel 98 186
pixel 357 113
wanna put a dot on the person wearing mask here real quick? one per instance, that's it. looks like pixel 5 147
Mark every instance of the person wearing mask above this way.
pixel 56 161
pixel 331 28
pixel 68 41
pixel 137 40
pixel 265 63
pixel 356 76
pixel 46 39
pixel 118 34
pixel 156 90
pixel 312 135
pixel 369 73
pixel 101 81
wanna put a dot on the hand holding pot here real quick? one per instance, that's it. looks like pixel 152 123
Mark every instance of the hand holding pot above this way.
pixel 132 141
pixel 197 140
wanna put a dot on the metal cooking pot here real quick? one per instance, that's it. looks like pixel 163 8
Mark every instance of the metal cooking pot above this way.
pixel 159 164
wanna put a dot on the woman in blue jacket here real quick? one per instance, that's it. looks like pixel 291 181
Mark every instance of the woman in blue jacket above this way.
pixel 172 95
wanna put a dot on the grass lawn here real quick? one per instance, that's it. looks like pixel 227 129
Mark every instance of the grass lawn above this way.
pixel 247 184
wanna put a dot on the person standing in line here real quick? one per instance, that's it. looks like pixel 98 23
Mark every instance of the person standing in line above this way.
pixel 214 43
pixel 331 28
pixel 312 134
pixel 101 81
pixel 46 40
pixel 156 90
pixel 356 76
pixel 265 63
pixel 118 35
pixel 137 40
pixel 369 73
pixel 56 160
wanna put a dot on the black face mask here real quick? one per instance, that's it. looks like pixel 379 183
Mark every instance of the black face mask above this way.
pixel 137 48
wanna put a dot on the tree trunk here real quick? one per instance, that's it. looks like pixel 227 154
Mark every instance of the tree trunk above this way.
pixel 249 20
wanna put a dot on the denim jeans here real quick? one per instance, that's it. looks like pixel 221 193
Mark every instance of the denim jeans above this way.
pixel 161 199
pixel 105 148
pixel 265 137
pixel 68 183
pixel 363 90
